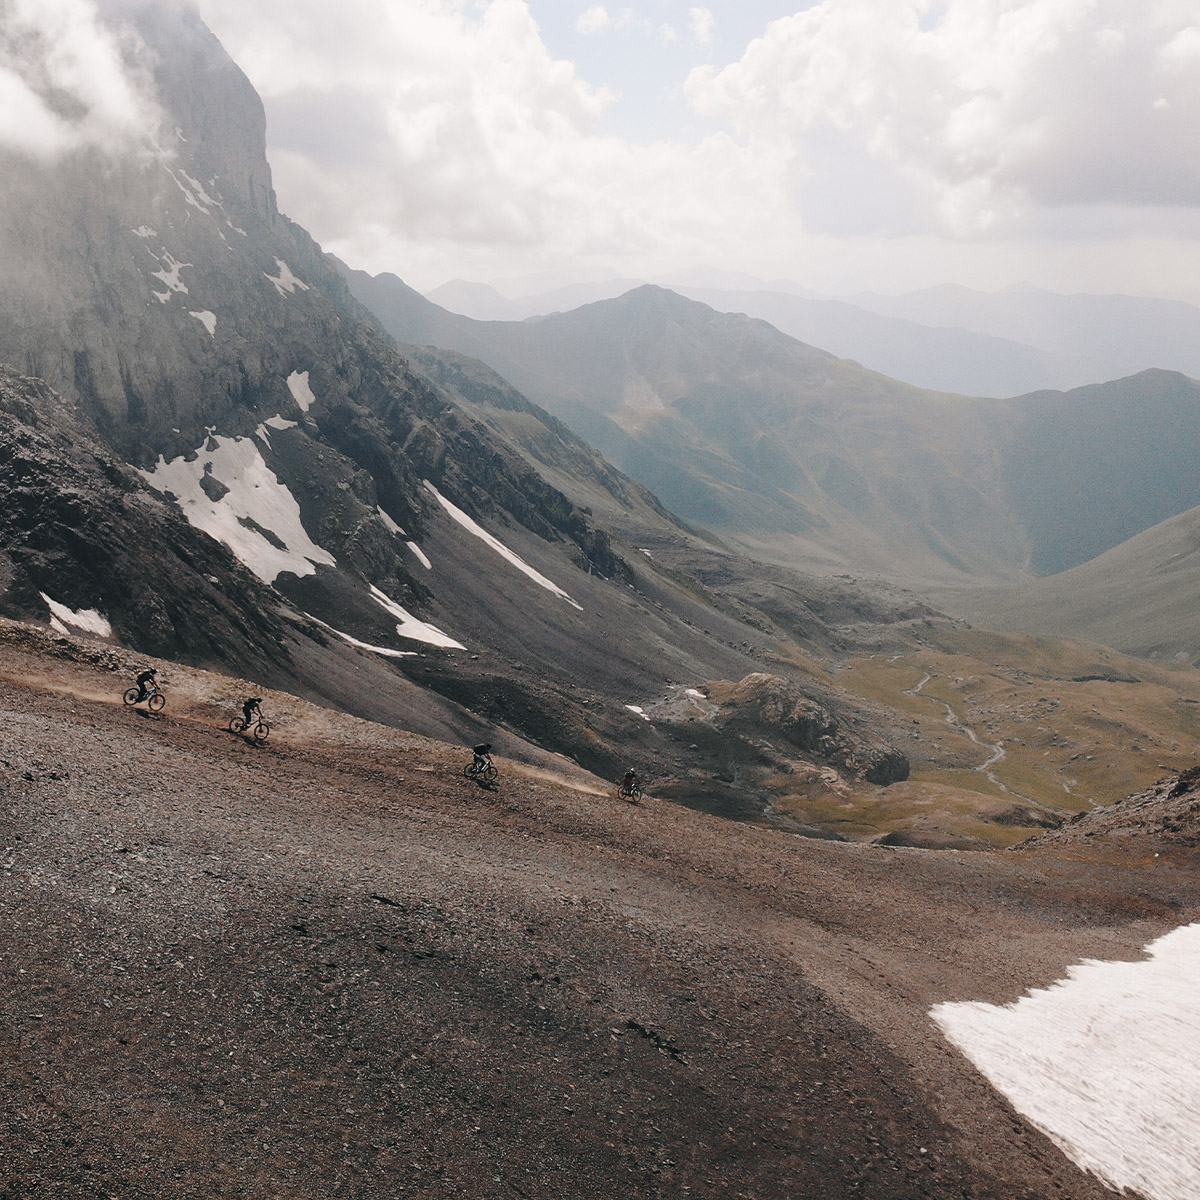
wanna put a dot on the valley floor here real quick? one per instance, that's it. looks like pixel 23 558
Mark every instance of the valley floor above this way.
pixel 329 966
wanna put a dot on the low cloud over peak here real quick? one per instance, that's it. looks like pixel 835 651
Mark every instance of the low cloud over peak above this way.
pixel 73 74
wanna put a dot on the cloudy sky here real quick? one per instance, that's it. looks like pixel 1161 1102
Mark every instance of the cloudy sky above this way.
pixel 839 144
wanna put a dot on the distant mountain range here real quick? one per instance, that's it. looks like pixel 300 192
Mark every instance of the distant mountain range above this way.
pixel 1102 336
pixel 948 339
pixel 809 458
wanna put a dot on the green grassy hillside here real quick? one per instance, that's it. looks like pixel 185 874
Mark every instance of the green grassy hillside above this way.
pixel 1139 597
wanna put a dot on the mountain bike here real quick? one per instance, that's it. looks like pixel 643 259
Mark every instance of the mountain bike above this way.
pixel 258 730
pixel 630 791
pixel 153 697
pixel 481 770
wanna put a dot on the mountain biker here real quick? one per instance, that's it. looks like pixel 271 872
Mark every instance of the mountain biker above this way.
pixel 483 755
pixel 143 681
pixel 250 708
pixel 630 786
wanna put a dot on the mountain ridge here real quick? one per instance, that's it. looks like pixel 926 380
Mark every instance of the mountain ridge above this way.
pixel 800 456
pixel 947 338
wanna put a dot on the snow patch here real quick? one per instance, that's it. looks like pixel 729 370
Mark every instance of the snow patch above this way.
pixel 641 712
pixel 1106 1063
pixel 643 550
pixel 144 231
pixel 256 517
pixel 384 650
pixel 198 190
pixel 169 275
pixel 276 422
pixel 388 523
pixel 412 627
pixel 87 619
pixel 190 196
pixel 500 548
pixel 421 555
pixel 285 282
pixel 208 320
pixel 297 383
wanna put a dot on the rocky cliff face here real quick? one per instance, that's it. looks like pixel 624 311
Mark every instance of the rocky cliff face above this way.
pixel 85 544
pixel 166 294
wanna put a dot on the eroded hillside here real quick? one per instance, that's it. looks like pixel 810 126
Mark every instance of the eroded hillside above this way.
pixel 330 964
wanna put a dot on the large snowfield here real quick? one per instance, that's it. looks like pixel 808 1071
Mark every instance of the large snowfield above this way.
pixel 1105 1062
pixel 255 497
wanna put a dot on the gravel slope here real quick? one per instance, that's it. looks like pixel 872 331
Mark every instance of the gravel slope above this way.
pixel 329 966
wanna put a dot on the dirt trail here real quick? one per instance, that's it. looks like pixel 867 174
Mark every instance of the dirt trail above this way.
pixel 999 754
pixel 331 966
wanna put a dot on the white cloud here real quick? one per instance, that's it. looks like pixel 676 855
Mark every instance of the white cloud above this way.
pixel 394 138
pixel 69 80
pixel 628 19
pixel 443 139
pixel 702 23
pixel 594 19
pixel 980 110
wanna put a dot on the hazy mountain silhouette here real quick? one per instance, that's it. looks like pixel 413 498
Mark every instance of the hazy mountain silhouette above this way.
pixel 806 456
pixel 1098 337
pixel 1139 597
pixel 949 339
pixel 941 358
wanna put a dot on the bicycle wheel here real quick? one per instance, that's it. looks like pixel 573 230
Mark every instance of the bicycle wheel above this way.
pixel 237 724
pixel 156 702
pixel 261 730
pixel 489 773
pixel 469 770
pixel 131 696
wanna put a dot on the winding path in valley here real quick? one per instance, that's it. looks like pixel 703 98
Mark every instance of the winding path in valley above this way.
pixel 997 748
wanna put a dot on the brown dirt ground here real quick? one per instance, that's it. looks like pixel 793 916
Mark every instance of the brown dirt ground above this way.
pixel 329 966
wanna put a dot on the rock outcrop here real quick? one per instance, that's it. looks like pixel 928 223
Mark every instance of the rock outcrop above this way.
pixel 1168 812
pixel 763 704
